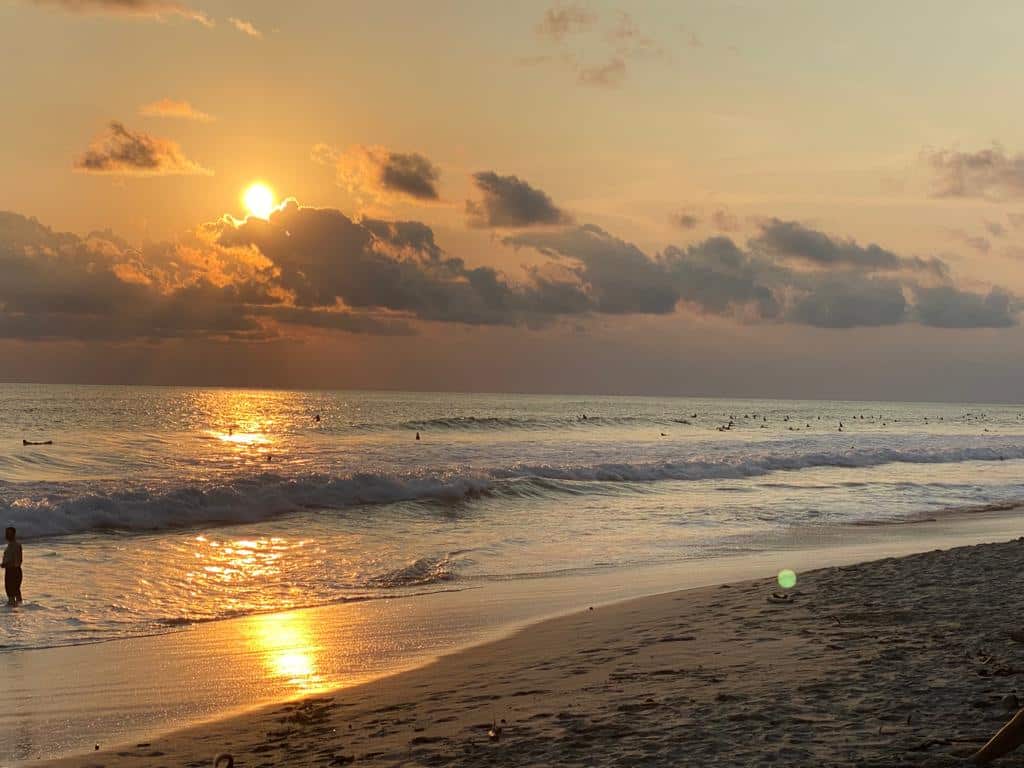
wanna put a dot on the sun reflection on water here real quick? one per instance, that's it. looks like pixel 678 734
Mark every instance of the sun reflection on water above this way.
pixel 242 438
pixel 246 560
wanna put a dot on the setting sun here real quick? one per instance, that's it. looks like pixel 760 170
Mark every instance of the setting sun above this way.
pixel 259 200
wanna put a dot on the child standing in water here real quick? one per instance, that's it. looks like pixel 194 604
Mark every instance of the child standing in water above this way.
pixel 12 567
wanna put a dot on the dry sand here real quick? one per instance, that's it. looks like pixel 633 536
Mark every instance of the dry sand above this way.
pixel 903 661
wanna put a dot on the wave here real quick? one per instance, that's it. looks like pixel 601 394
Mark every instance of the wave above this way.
pixel 479 423
pixel 56 509
pixel 736 468
pixel 426 570
pixel 245 500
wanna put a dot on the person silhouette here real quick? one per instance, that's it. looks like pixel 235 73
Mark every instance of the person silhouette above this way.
pixel 12 567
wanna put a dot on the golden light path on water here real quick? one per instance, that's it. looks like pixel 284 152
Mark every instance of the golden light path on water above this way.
pixel 284 642
pixel 239 570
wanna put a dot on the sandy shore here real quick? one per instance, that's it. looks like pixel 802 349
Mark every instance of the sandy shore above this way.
pixel 903 661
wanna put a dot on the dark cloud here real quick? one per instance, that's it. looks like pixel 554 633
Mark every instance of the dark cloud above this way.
pixel 987 173
pixel 153 9
pixel 719 278
pixel 685 220
pixel 322 257
pixel 789 240
pixel 561 21
pixel 337 321
pixel 380 174
pixel 849 285
pixel 410 174
pixel 128 153
pixel 508 201
pixel 850 303
pixel 620 277
pixel 61 286
pixel 316 268
pixel 948 307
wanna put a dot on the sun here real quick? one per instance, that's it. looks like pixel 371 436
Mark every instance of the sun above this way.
pixel 259 200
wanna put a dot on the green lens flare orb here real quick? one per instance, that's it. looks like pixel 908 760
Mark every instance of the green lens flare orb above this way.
pixel 787 579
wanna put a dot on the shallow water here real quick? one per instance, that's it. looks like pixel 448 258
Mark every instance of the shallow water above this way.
pixel 159 507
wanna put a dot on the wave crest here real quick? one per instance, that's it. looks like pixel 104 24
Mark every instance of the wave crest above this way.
pixel 56 509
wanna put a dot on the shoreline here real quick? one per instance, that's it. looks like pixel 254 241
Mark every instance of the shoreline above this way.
pixel 496 656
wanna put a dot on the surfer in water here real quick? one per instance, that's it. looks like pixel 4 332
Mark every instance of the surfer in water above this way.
pixel 12 567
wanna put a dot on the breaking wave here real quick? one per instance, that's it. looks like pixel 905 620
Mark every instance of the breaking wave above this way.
pixel 56 509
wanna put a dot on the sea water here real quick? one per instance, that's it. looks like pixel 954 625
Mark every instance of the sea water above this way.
pixel 158 508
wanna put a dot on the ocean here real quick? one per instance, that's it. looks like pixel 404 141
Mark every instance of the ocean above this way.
pixel 155 509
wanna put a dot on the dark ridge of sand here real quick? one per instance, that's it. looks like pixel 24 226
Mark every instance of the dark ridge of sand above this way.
pixel 899 662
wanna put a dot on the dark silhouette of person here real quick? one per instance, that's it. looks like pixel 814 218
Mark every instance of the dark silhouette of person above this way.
pixel 12 567
pixel 417 435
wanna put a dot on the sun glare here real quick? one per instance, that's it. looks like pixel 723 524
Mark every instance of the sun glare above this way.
pixel 259 200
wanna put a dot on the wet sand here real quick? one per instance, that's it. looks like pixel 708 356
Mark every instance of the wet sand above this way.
pixel 902 661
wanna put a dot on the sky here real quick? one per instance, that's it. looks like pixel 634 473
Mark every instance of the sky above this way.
pixel 747 198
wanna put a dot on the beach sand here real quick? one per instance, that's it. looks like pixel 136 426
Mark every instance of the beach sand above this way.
pixel 902 661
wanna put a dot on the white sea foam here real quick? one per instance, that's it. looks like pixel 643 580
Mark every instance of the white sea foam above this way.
pixel 76 508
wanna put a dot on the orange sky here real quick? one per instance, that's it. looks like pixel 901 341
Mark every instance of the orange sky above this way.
pixel 742 198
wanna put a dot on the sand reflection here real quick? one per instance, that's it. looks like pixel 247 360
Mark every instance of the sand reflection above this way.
pixel 288 649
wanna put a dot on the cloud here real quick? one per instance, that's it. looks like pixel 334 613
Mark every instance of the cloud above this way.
pixel 246 27
pixel 629 40
pixel 719 278
pixel 373 172
pixel 978 242
pixel 685 220
pixel 620 277
pixel 561 21
pixel 318 269
pixel 787 273
pixel 789 240
pixel 724 221
pixel 174 108
pixel 127 153
pixel 945 306
pixel 337 320
pixel 508 201
pixel 851 303
pixel 607 75
pixel 622 42
pixel 322 257
pixel 157 10
pixel 995 228
pixel 61 286
pixel 988 173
